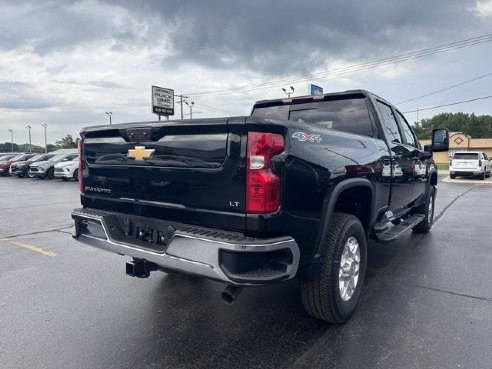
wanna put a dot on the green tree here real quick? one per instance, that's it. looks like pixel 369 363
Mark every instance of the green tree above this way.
pixel 7 147
pixel 475 126
pixel 66 142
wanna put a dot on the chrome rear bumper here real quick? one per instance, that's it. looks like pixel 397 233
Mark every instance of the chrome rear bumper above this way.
pixel 200 251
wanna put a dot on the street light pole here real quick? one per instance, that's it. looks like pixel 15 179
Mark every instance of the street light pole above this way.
pixel 110 114
pixel 12 138
pixel 30 146
pixel 290 92
pixel 45 140
pixel 190 105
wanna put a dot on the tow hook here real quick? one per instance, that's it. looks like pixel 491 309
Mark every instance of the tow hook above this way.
pixel 140 268
pixel 231 293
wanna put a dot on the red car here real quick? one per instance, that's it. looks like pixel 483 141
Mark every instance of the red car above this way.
pixel 5 164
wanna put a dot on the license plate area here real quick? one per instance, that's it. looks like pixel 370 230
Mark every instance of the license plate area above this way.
pixel 146 233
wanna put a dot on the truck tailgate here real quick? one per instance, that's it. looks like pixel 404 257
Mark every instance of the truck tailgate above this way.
pixel 184 166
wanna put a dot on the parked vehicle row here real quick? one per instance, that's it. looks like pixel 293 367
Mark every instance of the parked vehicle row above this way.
pixel 58 164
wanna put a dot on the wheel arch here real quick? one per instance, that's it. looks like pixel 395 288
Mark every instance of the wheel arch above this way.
pixel 343 198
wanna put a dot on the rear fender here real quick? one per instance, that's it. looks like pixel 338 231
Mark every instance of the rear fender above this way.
pixel 330 203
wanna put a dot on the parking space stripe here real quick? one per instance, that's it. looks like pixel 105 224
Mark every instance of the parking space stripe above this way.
pixel 30 247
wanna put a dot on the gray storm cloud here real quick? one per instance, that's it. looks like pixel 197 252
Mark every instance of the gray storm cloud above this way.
pixel 271 37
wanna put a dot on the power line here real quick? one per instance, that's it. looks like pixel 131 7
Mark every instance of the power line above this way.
pixel 355 67
pixel 450 104
pixel 446 88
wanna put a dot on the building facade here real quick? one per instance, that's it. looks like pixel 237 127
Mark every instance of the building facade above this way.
pixel 458 141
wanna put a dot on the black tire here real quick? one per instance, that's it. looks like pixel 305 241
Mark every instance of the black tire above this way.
pixel 426 224
pixel 76 175
pixel 452 176
pixel 50 174
pixel 65 179
pixel 488 175
pixel 482 176
pixel 321 296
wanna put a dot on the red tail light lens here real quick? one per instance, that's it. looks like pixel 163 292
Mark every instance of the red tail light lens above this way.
pixel 262 185
pixel 81 167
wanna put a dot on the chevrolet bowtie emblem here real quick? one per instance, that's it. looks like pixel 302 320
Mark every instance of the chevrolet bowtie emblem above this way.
pixel 140 153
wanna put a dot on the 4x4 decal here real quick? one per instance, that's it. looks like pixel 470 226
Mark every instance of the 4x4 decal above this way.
pixel 302 137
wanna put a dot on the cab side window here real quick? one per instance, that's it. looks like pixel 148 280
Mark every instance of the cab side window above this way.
pixel 408 136
pixel 389 123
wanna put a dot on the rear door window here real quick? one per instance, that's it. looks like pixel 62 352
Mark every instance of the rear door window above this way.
pixel 389 123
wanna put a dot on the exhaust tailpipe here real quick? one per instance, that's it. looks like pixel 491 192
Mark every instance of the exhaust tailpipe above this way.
pixel 231 293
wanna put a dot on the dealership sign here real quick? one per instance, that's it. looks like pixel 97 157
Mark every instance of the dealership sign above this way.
pixel 315 90
pixel 162 101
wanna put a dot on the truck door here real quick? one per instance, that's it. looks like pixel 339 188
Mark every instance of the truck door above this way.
pixel 420 166
pixel 400 168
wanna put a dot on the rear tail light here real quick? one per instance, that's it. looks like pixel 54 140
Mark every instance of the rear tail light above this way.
pixel 480 163
pixel 262 185
pixel 81 167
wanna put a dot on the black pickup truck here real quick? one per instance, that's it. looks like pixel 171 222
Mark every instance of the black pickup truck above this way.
pixel 295 190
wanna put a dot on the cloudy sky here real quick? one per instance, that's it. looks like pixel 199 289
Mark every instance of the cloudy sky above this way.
pixel 66 63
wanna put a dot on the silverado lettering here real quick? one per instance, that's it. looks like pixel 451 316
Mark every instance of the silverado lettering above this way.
pixel 295 190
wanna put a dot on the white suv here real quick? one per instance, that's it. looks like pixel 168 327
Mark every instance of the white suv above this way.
pixel 469 163
pixel 67 170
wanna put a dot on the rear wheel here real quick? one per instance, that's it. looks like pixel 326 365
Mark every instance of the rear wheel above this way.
pixel 482 176
pixel 427 210
pixel 333 295
pixel 452 176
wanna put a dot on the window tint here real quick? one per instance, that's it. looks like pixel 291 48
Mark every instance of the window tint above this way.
pixel 348 115
pixel 272 112
pixel 465 156
pixel 389 123
pixel 408 136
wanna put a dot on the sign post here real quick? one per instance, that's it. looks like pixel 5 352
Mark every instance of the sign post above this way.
pixel 162 101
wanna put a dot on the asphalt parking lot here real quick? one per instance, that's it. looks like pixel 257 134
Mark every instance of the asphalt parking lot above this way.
pixel 427 302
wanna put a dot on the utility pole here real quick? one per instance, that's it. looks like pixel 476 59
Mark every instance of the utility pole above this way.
pixel 190 105
pixel 45 139
pixel 417 115
pixel 289 92
pixel 12 138
pixel 30 146
pixel 110 114
pixel 181 101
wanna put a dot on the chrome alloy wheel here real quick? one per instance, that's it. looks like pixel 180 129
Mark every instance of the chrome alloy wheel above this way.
pixel 348 273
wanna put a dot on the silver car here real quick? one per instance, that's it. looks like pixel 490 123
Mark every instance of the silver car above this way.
pixel 46 169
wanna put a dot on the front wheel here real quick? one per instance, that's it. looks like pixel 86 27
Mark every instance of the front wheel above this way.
pixel 50 174
pixel 427 210
pixel 333 295
pixel 76 175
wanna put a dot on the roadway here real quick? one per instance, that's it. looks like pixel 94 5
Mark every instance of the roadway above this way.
pixel 427 302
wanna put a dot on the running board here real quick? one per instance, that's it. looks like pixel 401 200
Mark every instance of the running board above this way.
pixel 398 230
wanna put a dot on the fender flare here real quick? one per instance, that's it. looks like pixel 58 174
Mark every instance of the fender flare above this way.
pixel 331 198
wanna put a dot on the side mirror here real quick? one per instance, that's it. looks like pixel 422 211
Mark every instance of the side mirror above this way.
pixel 440 140
pixel 425 155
